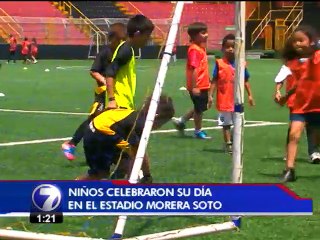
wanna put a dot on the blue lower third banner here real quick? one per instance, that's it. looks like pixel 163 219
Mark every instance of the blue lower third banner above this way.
pixel 19 198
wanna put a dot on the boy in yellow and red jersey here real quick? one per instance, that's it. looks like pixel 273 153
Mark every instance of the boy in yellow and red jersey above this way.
pixel 223 81
pixel 198 81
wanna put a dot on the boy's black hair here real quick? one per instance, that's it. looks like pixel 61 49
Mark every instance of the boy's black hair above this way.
pixel 195 28
pixel 113 33
pixel 139 24
pixel 229 36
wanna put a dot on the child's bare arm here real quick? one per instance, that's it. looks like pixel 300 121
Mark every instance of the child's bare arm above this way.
pixel 211 92
pixel 195 89
pixel 277 94
pixel 249 92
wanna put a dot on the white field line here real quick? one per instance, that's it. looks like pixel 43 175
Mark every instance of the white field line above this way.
pixel 41 112
pixel 85 114
pixel 153 132
pixel 83 67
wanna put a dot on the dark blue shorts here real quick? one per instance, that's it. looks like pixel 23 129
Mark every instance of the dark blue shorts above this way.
pixel 312 119
pixel 100 151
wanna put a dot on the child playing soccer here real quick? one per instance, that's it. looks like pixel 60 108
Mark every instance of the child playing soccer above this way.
pixel 12 48
pixel 197 75
pixel 223 81
pixel 116 34
pixel 34 50
pixel 121 75
pixel 290 58
pixel 119 127
pixel 306 107
pixel 25 50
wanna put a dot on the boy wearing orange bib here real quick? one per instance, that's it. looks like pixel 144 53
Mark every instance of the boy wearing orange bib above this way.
pixel 197 76
pixel 223 81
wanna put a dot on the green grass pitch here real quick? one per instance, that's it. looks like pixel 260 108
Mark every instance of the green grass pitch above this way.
pixel 69 88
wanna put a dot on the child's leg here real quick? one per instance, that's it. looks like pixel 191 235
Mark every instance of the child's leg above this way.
pixel 227 134
pixel 287 142
pixel 187 116
pixel 10 56
pixel 200 103
pixel 296 129
pixel 197 116
pixel 225 120
pixel 174 57
pixel 294 137
pixel 14 56
pixel 312 147
pixel 78 134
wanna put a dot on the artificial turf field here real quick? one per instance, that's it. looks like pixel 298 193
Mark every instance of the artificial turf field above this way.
pixel 69 88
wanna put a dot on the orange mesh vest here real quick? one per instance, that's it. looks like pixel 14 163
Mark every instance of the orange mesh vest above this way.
pixel 307 93
pixel 202 81
pixel 225 86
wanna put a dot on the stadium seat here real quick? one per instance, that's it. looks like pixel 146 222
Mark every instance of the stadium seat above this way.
pixel 216 16
pixel 52 32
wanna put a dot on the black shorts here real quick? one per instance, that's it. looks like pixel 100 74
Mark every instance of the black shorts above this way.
pixel 200 102
pixel 100 150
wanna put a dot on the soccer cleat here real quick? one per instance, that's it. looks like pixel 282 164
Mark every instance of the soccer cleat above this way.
pixel 288 176
pixel 228 148
pixel 315 158
pixel 68 150
pixel 180 126
pixel 201 135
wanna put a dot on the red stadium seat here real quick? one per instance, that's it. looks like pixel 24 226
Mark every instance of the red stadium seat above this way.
pixel 45 33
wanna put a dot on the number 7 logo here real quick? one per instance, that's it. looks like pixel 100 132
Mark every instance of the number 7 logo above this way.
pixel 46 197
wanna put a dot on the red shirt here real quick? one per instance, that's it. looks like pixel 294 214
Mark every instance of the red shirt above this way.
pixel 307 94
pixel 25 47
pixel 34 49
pixel 197 60
pixel 13 44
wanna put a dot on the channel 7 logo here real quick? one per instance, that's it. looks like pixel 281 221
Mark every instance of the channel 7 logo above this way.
pixel 46 198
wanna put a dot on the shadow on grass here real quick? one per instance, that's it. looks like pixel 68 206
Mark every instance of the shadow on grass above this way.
pixel 181 136
pixel 278 175
pixel 280 159
pixel 80 163
pixel 213 150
